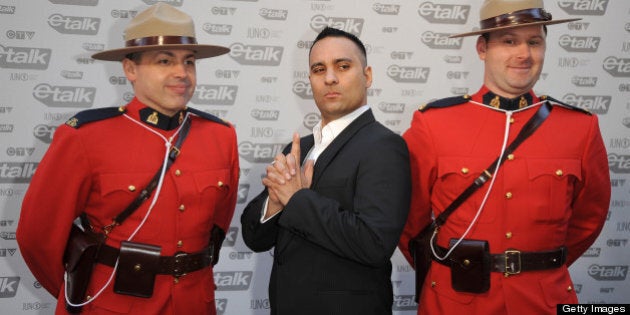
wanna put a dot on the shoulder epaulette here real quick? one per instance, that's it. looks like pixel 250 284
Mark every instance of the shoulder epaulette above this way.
pixel 209 116
pixel 565 105
pixel 91 115
pixel 445 102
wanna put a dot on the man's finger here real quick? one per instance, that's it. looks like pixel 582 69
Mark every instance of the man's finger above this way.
pixel 295 151
pixel 307 170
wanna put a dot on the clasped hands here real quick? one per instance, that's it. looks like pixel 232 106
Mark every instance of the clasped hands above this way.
pixel 285 177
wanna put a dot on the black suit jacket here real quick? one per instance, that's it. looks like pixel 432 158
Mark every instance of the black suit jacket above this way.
pixel 333 242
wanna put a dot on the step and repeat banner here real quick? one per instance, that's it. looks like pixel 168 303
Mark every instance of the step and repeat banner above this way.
pixel 262 87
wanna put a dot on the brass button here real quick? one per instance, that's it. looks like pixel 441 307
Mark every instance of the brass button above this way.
pixel 88 297
pixel 137 267
pixel 180 243
pixel 559 172
pixel 433 284
pixel 508 235
pixel 569 288
pixel 182 208
pixel 511 120
pixel 465 170
pixel 178 172
pixel 510 157
pixel 508 195
pixel 466 262
pixel 131 188
pixel 175 280
pixel 220 184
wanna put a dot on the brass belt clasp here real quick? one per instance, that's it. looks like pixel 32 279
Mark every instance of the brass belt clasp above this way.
pixel 512 262
pixel 180 261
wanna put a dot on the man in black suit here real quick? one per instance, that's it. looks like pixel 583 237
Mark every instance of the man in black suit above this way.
pixel 335 221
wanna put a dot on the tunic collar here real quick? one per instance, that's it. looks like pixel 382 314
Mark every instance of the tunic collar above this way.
pixel 489 98
pixel 154 118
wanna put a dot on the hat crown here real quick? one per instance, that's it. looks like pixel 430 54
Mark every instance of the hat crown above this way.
pixel 493 8
pixel 160 20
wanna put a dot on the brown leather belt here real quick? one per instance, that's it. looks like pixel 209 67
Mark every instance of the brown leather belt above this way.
pixel 513 261
pixel 177 265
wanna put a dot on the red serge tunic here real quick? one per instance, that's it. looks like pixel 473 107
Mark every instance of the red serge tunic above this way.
pixel 99 168
pixel 553 191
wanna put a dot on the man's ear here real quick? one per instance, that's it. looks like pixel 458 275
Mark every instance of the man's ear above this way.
pixel 482 45
pixel 367 71
pixel 129 67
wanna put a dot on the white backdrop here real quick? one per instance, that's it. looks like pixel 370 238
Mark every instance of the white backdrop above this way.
pixel 262 87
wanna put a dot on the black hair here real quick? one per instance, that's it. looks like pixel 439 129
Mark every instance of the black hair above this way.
pixel 134 56
pixel 333 32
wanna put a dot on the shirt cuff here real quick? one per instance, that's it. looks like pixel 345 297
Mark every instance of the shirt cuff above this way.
pixel 264 212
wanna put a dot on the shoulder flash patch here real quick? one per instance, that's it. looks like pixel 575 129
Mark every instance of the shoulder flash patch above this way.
pixel 91 115
pixel 565 105
pixel 209 116
pixel 445 102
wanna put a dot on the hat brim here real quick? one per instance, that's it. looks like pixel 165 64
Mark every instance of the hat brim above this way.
pixel 487 30
pixel 201 51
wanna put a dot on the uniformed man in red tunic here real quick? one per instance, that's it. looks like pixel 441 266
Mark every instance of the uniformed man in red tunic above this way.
pixel 507 248
pixel 101 159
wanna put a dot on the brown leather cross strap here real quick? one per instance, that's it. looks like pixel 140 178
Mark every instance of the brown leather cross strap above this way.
pixel 528 129
pixel 177 265
pixel 146 192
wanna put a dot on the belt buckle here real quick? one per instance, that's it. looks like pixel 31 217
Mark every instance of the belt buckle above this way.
pixel 512 262
pixel 179 262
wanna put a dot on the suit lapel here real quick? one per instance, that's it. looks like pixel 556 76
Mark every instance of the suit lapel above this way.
pixel 331 151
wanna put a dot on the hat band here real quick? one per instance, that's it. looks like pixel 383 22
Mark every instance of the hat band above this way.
pixel 516 17
pixel 161 40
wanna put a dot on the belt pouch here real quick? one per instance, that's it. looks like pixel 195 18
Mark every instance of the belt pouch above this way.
pixel 137 266
pixel 470 266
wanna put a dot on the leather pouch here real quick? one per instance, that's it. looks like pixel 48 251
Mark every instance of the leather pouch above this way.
pixel 420 248
pixel 79 260
pixel 470 266
pixel 137 266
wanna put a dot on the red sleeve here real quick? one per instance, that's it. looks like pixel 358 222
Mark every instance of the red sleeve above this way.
pixel 56 195
pixel 225 209
pixel 423 173
pixel 592 197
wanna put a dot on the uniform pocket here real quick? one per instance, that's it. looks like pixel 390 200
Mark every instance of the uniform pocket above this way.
pixel 551 188
pixel 124 184
pixel 455 174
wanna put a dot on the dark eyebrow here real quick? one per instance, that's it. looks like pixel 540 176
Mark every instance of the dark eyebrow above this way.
pixel 338 60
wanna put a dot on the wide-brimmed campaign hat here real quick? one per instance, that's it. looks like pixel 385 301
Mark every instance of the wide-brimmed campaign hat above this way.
pixel 161 26
pixel 502 14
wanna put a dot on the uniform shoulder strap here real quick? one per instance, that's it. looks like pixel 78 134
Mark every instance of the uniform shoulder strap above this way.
pixel 208 116
pixel 91 115
pixel 445 102
pixel 565 105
